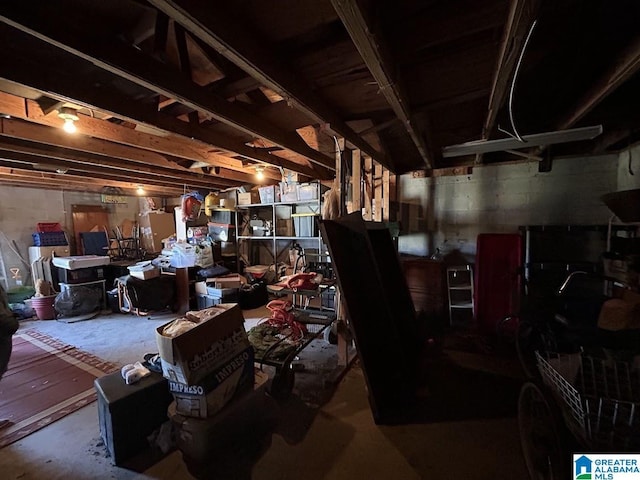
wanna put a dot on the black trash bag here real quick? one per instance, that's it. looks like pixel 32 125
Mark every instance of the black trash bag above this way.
pixel 78 300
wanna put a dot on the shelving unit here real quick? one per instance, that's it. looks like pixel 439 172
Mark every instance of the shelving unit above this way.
pixel 460 293
pixel 266 231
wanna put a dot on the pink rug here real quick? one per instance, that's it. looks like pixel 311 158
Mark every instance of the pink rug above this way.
pixel 46 380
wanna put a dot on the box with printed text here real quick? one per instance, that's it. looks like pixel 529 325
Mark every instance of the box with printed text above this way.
pixel 191 355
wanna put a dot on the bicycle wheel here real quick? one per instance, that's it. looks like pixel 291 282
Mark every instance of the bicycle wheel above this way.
pixel 541 435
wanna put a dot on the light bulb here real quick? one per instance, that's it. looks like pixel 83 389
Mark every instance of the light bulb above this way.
pixel 260 175
pixel 140 191
pixel 69 126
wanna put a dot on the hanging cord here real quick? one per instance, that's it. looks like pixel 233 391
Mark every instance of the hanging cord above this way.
pixel 515 133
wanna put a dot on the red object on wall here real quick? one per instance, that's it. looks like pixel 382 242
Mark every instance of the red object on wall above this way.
pixel 498 273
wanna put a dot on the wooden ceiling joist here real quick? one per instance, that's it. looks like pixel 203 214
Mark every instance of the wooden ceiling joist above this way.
pixel 26 177
pixel 111 154
pixel 233 40
pixel 173 145
pixel 104 98
pixel 133 65
pixel 521 15
pixel 379 61
pixel 101 165
pixel 623 68
pixel 71 172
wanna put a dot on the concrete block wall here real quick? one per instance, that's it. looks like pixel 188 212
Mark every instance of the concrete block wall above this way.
pixel 22 208
pixel 499 199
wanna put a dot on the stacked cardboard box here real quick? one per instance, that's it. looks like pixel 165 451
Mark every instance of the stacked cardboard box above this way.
pixel 207 358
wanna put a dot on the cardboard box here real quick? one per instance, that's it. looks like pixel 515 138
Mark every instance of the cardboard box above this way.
pixel 145 274
pixel 218 388
pixel 249 198
pixel 229 281
pixel 196 438
pixel 191 356
pixel 219 286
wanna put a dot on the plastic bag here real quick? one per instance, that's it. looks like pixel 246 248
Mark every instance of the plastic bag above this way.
pixel 331 208
pixel 190 204
pixel 183 255
pixel 78 300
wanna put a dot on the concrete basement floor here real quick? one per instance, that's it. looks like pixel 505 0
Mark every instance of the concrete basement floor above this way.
pixel 464 432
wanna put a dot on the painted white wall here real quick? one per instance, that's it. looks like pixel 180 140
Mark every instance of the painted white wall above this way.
pixel 22 208
pixel 498 199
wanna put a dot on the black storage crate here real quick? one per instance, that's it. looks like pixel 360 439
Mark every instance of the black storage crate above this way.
pixel 81 275
pixel 128 414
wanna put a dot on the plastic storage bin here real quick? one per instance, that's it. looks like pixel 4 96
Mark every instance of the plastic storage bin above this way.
pixel 268 194
pixel 304 224
pixel 307 191
pixel 49 239
pixel 48 227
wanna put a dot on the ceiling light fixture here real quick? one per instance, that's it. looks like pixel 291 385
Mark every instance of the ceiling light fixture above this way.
pixel 140 191
pixel 260 173
pixel 69 116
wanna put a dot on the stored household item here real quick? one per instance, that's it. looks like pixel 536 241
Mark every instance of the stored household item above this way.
pixel 20 294
pixel 220 387
pixel 219 334
pixel 210 201
pixel 48 227
pixel 460 293
pixel 249 198
pixel 74 300
pixel 209 445
pixel 155 227
pixel 128 414
pixel 268 194
pixel 307 191
pixel 144 270
pixel 80 261
pixel 47 239
pixel 222 232
pixel 80 275
pixel 380 309
pixel 305 224
pixel 94 243
pixel 497 280
pixel 44 307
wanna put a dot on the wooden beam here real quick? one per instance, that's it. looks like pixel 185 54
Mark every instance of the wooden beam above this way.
pixel 356 181
pixel 235 41
pixel 386 193
pixel 55 137
pixel 87 174
pixel 377 57
pixel 522 13
pixel 623 68
pixel 367 174
pixel 104 165
pixel 134 66
pixel 101 97
pixel 56 179
pixel 377 195
pixel 173 145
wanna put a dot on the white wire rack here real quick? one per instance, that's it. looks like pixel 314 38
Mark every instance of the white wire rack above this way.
pixel 599 398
